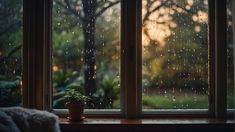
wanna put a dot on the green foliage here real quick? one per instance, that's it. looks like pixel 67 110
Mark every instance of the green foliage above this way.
pixel 67 41
pixel 178 68
pixel 74 96
pixel 68 55
pixel 230 100
pixel 64 80
pixel 10 26
pixel 10 52
pixel 10 92
pixel 107 92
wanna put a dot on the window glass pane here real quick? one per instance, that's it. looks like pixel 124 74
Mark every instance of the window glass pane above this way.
pixel 86 51
pixel 175 54
pixel 10 52
pixel 230 66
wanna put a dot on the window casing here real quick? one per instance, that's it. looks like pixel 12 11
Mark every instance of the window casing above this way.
pixel 37 88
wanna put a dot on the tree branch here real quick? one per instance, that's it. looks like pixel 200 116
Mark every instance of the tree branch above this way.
pixel 146 30
pixel 15 49
pixel 105 8
pixel 155 9
pixel 146 33
pixel 70 9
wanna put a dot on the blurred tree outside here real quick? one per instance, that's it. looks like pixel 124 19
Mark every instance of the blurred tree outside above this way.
pixel 10 52
pixel 71 34
pixel 86 12
pixel 175 50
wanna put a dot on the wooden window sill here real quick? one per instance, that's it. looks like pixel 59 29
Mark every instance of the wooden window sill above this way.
pixel 163 124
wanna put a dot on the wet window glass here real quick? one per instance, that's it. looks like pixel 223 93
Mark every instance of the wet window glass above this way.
pixel 86 51
pixel 10 53
pixel 175 54
pixel 230 63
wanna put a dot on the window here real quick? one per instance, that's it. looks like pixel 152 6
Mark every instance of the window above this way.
pixel 86 51
pixel 133 63
pixel 10 53
pixel 175 54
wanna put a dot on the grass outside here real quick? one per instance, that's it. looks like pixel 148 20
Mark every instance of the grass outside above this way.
pixel 177 102
pixel 180 102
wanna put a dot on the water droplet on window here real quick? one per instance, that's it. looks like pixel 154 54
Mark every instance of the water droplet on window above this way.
pixel 195 99
pixel 173 99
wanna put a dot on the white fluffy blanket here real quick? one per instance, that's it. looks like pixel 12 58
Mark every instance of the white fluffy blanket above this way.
pixel 17 119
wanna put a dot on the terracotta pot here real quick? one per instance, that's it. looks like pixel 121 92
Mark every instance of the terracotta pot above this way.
pixel 75 111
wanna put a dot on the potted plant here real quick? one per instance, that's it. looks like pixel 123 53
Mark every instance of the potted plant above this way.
pixel 75 104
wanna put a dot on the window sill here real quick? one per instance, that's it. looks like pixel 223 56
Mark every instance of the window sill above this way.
pixel 162 124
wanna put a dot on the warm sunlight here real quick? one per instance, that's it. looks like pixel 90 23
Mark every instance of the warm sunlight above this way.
pixel 158 22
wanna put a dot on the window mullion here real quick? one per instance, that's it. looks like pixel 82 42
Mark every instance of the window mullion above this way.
pixel 220 59
pixel 129 73
pixel 36 53
pixel 139 55
pixel 48 54
pixel 211 57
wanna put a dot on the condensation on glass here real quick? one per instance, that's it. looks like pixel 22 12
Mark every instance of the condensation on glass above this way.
pixel 10 52
pixel 230 63
pixel 86 51
pixel 175 54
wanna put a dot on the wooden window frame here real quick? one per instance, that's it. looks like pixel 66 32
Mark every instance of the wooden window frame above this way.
pixel 37 47
pixel 37 54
